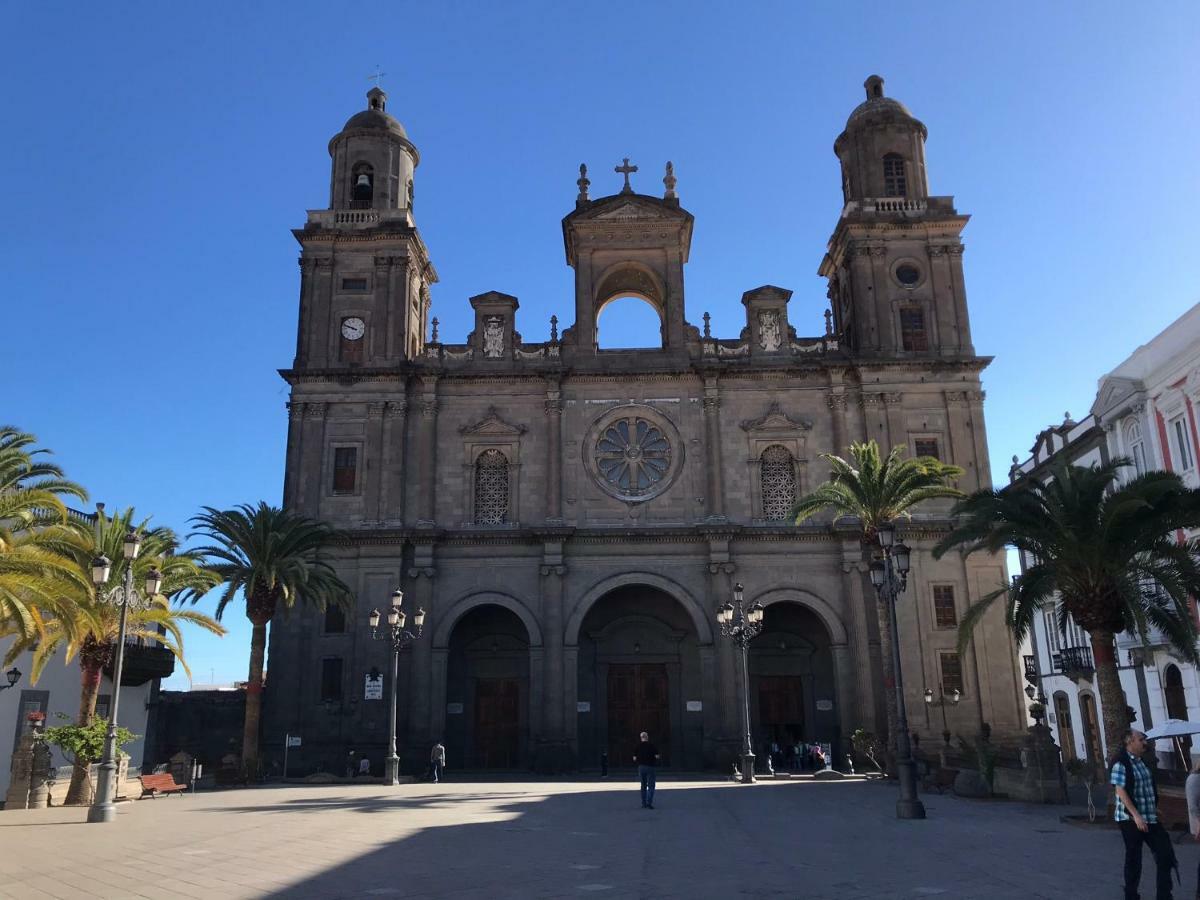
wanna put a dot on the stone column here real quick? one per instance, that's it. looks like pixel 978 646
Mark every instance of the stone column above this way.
pixel 837 414
pixel 372 491
pixel 966 346
pixel 391 501
pixel 874 421
pixel 304 325
pixel 421 688
pixel 554 408
pixel 318 324
pixel 427 456
pixel 311 476
pixel 897 428
pixel 861 281
pixel 712 438
pixel 860 607
pixel 292 473
pixel 553 755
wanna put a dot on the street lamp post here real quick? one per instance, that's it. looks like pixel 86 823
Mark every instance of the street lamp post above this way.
pixel 889 575
pixel 953 697
pixel 124 595
pixel 13 675
pixel 400 638
pixel 742 625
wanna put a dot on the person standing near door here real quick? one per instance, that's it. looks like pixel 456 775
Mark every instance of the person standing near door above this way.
pixel 1136 814
pixel 437 761
pixel 646 757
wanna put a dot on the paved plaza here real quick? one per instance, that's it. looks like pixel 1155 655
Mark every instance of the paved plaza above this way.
pixel 478 841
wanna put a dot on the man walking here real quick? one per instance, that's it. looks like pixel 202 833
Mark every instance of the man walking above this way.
pixel 437 761
pixel 646 758
pixel 1136 813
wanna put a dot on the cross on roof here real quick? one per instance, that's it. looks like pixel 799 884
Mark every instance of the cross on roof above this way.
pixel 378 76
pixel 625 169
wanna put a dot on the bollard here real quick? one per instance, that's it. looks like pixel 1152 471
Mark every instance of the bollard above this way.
pixel 603 765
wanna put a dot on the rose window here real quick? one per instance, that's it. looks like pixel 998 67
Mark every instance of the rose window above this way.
pixel 633 456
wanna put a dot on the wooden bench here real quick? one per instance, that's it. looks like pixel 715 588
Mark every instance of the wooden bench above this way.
pixel 940 779
pixel 160 784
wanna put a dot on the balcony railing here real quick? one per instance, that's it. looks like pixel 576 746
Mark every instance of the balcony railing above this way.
pixel 1076 661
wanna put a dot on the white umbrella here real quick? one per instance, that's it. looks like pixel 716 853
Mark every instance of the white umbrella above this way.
pixel 1175 729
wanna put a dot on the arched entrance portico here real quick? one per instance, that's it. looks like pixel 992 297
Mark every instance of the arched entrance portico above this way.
pixel 638 667
pixel 487 658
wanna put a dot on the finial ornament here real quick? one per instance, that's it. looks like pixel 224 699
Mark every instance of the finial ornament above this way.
pixel 434 338
pixel 669 180
pixel 583 184
pixel 828 322
pixel 707 325
pixel 554 329
pixel 625 169
pixel 377 77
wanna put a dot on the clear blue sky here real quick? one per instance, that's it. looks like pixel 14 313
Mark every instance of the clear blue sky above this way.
pixel 155 157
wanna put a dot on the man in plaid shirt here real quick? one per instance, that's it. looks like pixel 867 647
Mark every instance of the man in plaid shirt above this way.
pixel 1136 813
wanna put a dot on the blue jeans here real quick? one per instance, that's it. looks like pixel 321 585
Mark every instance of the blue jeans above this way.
pixel 646 774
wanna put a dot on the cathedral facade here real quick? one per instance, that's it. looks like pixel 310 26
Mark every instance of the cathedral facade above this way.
pixel 570 519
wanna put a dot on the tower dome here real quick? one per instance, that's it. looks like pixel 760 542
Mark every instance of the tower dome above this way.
pixel 373 160
pixel 882 149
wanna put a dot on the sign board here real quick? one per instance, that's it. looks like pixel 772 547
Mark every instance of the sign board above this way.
pixel 454 709
pixel 824 705
pixel 293 740
pixel 695 705
pixel 583 706
pixel 373 689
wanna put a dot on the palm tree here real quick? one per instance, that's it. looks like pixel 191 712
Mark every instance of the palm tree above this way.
pixel 89 627
pixel 875 490
pixel 1102 553
pixel 36 531
pixel 269 555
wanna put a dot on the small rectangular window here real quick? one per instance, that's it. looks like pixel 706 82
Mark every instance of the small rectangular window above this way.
pixel 1182 445
pixel 335 619
pixel 331 679
pixel 945 614
pixel 103 704
pixel 926 447
pixel 354 284
pixel 951 673
pixel 912 330
pixel 30 702
pixel 345 469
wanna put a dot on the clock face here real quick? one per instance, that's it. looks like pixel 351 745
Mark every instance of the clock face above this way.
pixel 353 328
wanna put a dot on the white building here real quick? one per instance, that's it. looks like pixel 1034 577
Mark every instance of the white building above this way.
pixel 1145 410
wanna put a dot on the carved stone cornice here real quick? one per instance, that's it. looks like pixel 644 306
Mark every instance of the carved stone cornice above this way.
pixel 376 409
pixel 712 405
pixel 836 401
pixel 295 410
pixel 553 407
pixel 955 249
pixel 492 425
pixel 936 250
pixel 870 399
pixel 315 410
pixel 893 398
pixel 429 408
pixel 965 396
pixel 396 408
pixel 776 420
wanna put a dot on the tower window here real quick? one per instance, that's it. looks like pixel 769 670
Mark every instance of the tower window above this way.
pixel 362 186
pixel 952 679
pixel 345 470
pixel 777 474
pixel 894 182
pixel 945 615
pixel 354 284
pixel 335 619
pixel 331 679
pixel 926 447
pixel 491 488
pixel 912 330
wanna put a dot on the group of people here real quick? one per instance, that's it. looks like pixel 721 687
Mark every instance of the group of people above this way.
pixel 799 756
pixel 1135 811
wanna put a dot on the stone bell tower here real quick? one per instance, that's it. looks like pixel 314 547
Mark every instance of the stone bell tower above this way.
pixel 894 262
pixel 365 272
pixel 628 244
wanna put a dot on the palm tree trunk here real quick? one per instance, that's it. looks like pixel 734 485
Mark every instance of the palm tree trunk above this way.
pixel 254 686
pixel 888 739
pixel 1114 706
pixel 80 791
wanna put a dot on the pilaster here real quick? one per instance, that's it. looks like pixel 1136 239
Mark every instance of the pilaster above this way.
pixel 712 443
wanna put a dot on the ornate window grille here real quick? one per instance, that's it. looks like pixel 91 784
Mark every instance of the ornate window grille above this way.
pixel 895 184
pixel 777 471
pixel 491 488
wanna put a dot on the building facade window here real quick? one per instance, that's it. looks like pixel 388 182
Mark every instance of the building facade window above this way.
pixel 335 619
pixel 1183 446
pixel 331 679
pixel 491 488
pixel 926 447
pixel 945 614
pixel 345 470
pixel 894 182
pixel 951 666
pixel 1137 447
pixel 31 702
pixel 362 186
pixel 777 477
pixel 103 705
pixel 912 329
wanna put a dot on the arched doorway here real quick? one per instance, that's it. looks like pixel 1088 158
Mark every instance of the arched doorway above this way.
pixel 792 685
pixel 488 691
pixel 1091 729
pixel 638 670
pixel 1176 700
pixel 1066 732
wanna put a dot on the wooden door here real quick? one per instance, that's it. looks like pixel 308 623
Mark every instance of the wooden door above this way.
pixel 1066 733
pixel 497 723
pixel 780 708
pixel 1091 729
pixel 638 700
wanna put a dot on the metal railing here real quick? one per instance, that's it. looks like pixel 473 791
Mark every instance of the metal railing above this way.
pixel 1076 659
